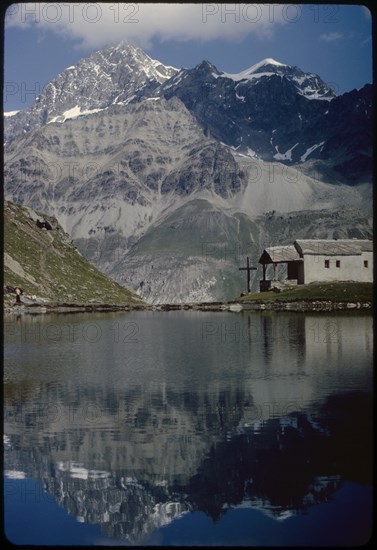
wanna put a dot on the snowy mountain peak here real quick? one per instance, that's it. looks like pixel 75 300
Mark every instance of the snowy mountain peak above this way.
pixel 267 61
pixel 308 85
pixel 133 58
pixel 117 74
pixel 266 67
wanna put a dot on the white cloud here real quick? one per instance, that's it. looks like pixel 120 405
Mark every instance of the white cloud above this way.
pixel 331 36
pixel 98 24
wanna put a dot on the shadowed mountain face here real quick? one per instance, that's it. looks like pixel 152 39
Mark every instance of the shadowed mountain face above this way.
pixel 277 112
pixel 121 162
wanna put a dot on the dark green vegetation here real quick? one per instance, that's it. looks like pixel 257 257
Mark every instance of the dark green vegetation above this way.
pixel 333 292
pixel 46 264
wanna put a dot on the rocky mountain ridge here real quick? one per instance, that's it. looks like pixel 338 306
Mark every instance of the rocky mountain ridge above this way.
pixel 277 112
pixel 118 74
pixel 149 178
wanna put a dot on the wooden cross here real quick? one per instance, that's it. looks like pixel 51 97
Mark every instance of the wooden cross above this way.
pixel 248 268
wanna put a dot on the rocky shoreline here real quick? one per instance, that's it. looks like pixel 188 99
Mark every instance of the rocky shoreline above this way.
pixel 268 305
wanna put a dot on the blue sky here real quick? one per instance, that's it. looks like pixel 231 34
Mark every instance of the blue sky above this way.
pixel 40 40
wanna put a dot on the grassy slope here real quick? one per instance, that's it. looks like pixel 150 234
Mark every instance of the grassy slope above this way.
pixel 334 292
pixel 51 266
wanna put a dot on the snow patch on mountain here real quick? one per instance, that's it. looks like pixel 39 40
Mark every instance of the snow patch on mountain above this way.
pixel 309 85
pixel 310 150
pixel 245 75
pixel 252 153
pixel 253 71
pixel 311 93
pixel 73 113
pixel 240 97
pixel 266 61
pixel 284 156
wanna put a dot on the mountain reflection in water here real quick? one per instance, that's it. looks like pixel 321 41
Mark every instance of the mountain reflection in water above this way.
pixel 197 414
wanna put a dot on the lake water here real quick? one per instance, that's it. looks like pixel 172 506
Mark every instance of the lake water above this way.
pixel 188 428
